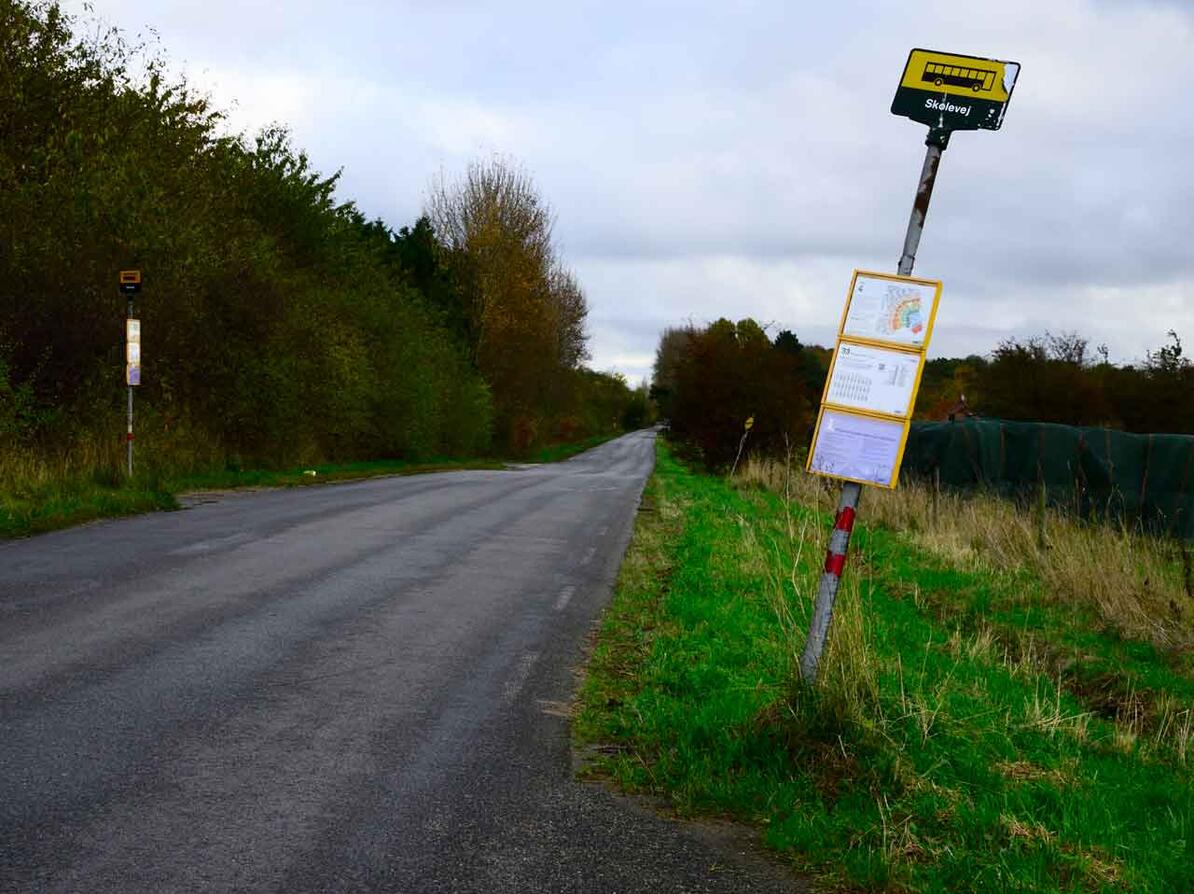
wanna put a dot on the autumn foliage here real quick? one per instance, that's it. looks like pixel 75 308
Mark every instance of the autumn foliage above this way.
pixel 1057 378
pixel 524 312
pixel 709 381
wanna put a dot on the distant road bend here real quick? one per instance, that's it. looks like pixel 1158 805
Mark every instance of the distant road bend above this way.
pixel 350 688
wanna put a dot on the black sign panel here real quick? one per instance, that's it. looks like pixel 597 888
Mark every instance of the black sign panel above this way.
pixel 951 92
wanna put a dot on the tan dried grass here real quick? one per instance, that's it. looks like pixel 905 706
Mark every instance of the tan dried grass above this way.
pixel 1132 580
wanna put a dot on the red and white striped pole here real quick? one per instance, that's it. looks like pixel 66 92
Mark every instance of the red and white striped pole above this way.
pixel 847 507
pixel 129 387
pixel 831 578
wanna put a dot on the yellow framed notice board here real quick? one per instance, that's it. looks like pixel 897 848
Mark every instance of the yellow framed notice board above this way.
pixel 870 392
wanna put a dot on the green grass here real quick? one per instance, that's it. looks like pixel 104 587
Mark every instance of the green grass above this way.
pixel 47 507
pixel 960 736
pixel 554 453
pixel 36 500
pixel 324 473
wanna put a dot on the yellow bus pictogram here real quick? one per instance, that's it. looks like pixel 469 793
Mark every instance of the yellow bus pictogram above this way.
pixel 972 76
pixel 975 79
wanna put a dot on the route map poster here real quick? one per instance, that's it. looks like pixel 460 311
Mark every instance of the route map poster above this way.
pixel 896 310
pixel 859 448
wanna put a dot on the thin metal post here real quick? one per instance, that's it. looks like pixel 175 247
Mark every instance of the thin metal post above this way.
pixel 935 145
pixel 129 385
pixel 847 507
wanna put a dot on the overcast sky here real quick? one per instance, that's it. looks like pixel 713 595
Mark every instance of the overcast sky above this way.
pixel 739 159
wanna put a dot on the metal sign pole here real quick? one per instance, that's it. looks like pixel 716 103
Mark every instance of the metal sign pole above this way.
pixel 129 435
pixel 935 144
pixel 847 506
pixel 130 285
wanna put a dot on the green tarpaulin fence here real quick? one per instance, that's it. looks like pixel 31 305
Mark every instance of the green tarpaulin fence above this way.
pixel 1139 479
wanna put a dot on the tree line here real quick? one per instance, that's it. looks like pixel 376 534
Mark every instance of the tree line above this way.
pixel 279 324
pixel 1058 378
pixel 709 380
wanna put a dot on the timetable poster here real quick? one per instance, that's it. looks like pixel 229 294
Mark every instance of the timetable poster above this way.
pixel 879 380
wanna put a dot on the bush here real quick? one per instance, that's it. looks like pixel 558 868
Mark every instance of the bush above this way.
pixel 716 378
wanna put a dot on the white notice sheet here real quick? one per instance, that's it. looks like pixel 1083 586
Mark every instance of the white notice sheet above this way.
pixel 876 379
pixel 857 447
pixel 890 309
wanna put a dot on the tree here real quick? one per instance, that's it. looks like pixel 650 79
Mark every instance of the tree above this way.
pixel 276 327
pixel 717 377
pixel 1043 379
pixel 525 311
pixel 787 342
pixel 944 381
pixel 1168 396
pixel 418 259
pixel 674 345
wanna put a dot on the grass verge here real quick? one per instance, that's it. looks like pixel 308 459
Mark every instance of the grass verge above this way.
pixel 324 473
pixel 27 510
pixel 554 453
pixel 36 497
pixel 960 736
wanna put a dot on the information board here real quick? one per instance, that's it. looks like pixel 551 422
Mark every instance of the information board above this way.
pixel 858 448
pixel 879 380
pixel 949 91
pixel 897 310
pixel 870 391
pixel 132 351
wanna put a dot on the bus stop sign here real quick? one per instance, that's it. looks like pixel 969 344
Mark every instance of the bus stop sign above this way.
pixel 130 281
pixel 951 92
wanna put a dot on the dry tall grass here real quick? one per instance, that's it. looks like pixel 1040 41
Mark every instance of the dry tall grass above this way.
pixel 99 459
pixel 1137 583
pixel 25 471
pixel 848 679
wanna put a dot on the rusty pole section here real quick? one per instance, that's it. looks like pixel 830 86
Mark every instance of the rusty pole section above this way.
pixel 935 144
pixel 847 506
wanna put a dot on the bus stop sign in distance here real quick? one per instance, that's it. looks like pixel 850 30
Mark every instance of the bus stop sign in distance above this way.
pixel 951 92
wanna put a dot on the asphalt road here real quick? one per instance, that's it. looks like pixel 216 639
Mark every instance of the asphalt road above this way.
pixel 349 688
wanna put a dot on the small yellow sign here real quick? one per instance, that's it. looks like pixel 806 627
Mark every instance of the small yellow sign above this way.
pixel 968 76
pixel 950 91
pixel 130 282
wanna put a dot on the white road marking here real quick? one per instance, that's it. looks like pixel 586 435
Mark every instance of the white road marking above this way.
pixel 207 546
pixel 565 597
pixel 518 680
pixel 589 555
